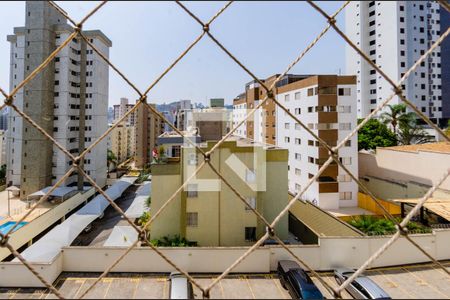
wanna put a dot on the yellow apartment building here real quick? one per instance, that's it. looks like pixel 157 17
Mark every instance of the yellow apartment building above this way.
pixel 207 211
pixel 122 142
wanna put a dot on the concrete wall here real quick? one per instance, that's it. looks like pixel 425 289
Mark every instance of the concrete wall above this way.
pixel 423 167
pixel 353 252
pixel 41 223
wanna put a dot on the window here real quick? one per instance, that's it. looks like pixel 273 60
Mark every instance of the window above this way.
pixel 298 141
pixel 402 19
pixel 402 42
pixel 402 64
pixel 402 8
pixel 298 187
pixel 250 234
pixel 344 178
pixel 250 201
pixel 345 195
pixel 372 42
pixel 191 219
pixel 344 109
pixel 372 33
pixel 297 126
pixel 298 111
pixel 286 97
pixel 286 125
pixel 344 91
pixel 298 172
pixel 298 156
pixel 56 82
pixel 373 81
pixel 345 126
pixel 310 159
pixel 192 190
pixel 297 96
pixel 287 139
pixel 310 92
pixel 310 143
pixel 348 143
pixel 345 160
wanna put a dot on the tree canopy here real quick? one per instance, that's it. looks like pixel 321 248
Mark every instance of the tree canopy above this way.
pixel 375 134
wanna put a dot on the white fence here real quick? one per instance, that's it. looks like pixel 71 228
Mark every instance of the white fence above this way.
pixel 332 252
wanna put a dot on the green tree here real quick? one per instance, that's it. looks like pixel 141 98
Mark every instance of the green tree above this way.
pixel 375 134
pixel 412 133
pixel 447 130
pixel 396 115
pixel 110 158
pixel 3 174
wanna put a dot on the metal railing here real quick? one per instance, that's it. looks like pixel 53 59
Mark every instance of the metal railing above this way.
pixel 270 233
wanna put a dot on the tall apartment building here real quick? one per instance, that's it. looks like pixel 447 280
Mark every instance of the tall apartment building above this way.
pixel 122 142
pixel 445 66
pixel 52 99
pixel 209 212
pixel 395 34
pixel 121 109
pixel 326 104
pixel 148 127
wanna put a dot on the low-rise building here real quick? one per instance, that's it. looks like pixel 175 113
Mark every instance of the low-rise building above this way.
pixel 172 142
pixel 208 211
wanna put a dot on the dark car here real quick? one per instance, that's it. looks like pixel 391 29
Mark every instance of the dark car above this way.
pixel 362 287
pixel 296 281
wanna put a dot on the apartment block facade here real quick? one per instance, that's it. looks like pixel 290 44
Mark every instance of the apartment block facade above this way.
pixel 147 129
pixel 326 104
pixel 395 34
pixel 122 142
pixel 121 109
pixel 52 99
pixel 208 211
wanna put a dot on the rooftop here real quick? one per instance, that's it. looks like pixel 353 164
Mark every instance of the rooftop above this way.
pixel 402 282
pixel 440 147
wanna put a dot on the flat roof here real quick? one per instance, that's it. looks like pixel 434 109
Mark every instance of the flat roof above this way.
pixel 440 147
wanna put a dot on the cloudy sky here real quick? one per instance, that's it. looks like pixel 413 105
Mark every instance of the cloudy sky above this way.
pixel 148 36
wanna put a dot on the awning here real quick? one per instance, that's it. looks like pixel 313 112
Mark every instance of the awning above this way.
pixel 121 236
pixel 49 246
pixel 138 206
pixel 440 207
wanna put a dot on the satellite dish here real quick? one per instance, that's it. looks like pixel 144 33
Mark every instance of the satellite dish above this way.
pixel 314 202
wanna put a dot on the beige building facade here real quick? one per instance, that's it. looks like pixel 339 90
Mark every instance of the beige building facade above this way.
pixel 147 129
pixel 122 142
pixel 207 211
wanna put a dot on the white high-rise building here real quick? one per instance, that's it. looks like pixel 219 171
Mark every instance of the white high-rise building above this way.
pixel 121 109
pixel 326 104
pixel 395 34
pixel 52 99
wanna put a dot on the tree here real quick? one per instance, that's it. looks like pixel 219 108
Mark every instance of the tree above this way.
pixel 110 158
pixel 396 115
pixel 375 134
pixel 447 130
pixel 411 133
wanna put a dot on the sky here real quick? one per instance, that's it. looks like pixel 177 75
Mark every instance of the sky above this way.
pixel 148 36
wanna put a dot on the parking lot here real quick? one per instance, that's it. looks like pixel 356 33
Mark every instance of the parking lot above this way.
pixel 418 281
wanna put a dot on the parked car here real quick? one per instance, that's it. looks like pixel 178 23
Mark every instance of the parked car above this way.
pixel 180 287
pixel 362 287
pixel 296 281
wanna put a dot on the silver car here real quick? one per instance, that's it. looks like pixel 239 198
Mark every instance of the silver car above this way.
pixel 362 287
pixel 180 287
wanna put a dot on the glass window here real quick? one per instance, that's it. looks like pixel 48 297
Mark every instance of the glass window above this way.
pixel 192 219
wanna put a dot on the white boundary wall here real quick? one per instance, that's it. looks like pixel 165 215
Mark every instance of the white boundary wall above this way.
pixel 332 252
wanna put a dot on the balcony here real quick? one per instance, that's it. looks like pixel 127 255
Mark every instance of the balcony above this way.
pixel 328 187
